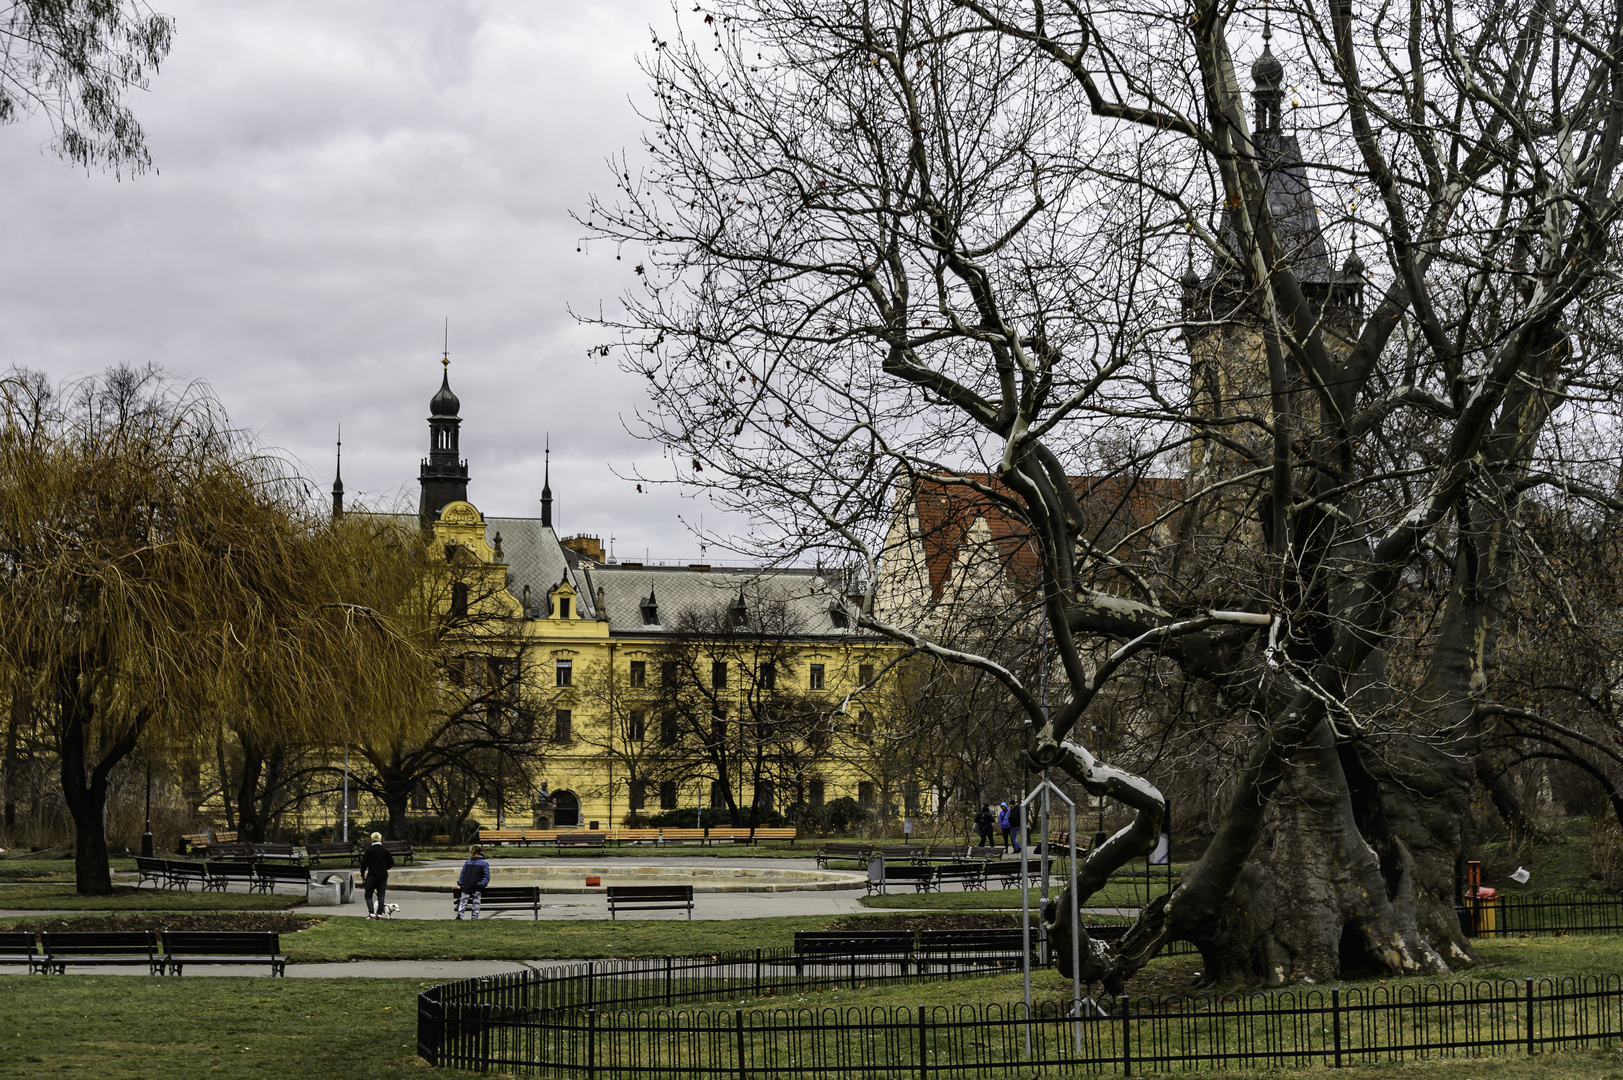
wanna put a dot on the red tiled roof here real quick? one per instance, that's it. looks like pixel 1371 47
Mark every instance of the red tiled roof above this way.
pixel 947 513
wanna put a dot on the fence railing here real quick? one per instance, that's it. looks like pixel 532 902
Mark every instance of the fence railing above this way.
pixel 494 1023
pixel 1538 914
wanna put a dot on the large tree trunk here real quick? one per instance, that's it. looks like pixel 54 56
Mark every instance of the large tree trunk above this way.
pixel 84 783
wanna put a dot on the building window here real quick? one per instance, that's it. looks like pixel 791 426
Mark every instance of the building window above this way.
pixel 667 729
pixel 639 794
pixel 667 794
pixel 816 682
pixel 419 798
pixel 718 793
pixel 814 793
pixel 639 725
pixel 718 727
pixel 563 726
pixel 718 675
pixel 865 726
pixel 566 673
pixel 667 673
pixel 459 598
pixel 639 673
pixel 769 676
pixel 764 795
pixel 865 673
pixel 563 607
pixel 865 794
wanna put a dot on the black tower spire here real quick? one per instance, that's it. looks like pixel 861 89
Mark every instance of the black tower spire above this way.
pixel 338 479
pixel 445 475
pixel 546 488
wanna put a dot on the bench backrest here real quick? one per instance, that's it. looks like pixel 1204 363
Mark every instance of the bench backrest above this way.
pixel 650 892
pixel 232 942
pixel 17 941
pixel 179 868
pixel 847 849
pixel 853 942
pixel 109 943
pixel 511 892
pixel 398 847
pixel 989 938
pixel 775 832
pixel 337 848
pixel 682 834
pixel 593 838
pixel 236 871
pixel 149 864
pixel 284 871
pixel 284 850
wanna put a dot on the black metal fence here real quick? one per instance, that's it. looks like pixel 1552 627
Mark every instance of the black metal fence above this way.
pixel 495 1023
pixel 1554 913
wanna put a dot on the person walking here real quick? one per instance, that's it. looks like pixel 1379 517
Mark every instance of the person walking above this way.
pixel 983 825
pixel 1013 831
pixel 469 887
pixel 375 865
pixel 1003 822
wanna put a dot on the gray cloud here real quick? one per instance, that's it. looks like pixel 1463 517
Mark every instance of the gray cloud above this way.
pixel 333 180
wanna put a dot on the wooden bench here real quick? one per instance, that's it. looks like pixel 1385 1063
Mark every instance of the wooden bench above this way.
pixel 582 839
pixel 522 837
pixel 901 852
pixel 217 851
pixel 649 898
pixel 224 873
pixel 495 899
pixel 722 833
pixel 853 947
pixel 268 875
pixel 150 869
pixel 837 850
pixel 983 854
pixel 401 850
pixel 332 850
pixel 182 947
pixel 997 946
pixel 922 878
pixel 88 948
pixel 180 874
pixel 273 851
pixel 19 947
pixel 1008 871
pixel 939 853
pixel 776 832
pixel 635 836
pixel 968 876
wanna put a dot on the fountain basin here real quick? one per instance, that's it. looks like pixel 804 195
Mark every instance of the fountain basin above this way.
pixel 572 879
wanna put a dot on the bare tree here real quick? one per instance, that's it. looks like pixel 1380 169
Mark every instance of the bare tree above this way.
pixel 900 240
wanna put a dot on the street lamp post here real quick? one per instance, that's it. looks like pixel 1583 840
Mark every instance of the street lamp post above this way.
pixel 146 837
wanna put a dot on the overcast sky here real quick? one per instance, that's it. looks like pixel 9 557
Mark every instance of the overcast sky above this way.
pixel 332 181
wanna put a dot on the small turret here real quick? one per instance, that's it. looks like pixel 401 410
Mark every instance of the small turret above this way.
pixel 338 480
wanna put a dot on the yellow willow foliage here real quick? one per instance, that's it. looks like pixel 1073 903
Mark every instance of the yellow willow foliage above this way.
pixel 160 569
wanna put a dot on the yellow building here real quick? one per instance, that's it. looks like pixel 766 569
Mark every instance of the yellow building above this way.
pixel 657 687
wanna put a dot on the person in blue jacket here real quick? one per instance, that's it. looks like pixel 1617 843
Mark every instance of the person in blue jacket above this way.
pixel 470 886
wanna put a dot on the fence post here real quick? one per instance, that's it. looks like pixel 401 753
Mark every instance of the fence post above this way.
pixel 757 972
pixel 591 1044
pixel 667 980
pixel 1530 1017
pixel 1335 1021
pixel 591 983
pixel 738 1024
pixel 924 1062
pixel 1126 1036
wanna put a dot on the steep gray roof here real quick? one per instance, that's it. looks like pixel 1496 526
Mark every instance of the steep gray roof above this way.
pixel 1296 218
pixel 795 603
pixel 535 558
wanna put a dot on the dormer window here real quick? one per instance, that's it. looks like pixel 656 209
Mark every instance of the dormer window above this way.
pixel 563 607
pixel 838 617
pixel 650 610
pixel 738 614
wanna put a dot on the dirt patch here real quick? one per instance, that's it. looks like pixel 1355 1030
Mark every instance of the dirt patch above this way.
pixel 170 920
pixel 929 920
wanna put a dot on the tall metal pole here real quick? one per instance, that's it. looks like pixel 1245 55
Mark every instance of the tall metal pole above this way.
pixel 146 837
pixel 345 837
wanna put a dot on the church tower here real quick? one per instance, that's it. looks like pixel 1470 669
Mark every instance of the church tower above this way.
pixel 1228 360
pixel 444 476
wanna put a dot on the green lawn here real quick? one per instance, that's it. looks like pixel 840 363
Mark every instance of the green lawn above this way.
pixel 23 869
pixel 53 897
pixel 133 1027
